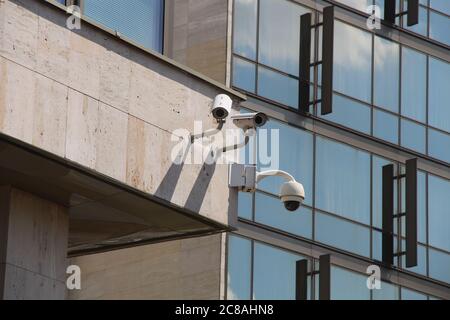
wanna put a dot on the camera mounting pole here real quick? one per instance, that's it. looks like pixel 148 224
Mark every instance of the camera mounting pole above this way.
pixel 208 133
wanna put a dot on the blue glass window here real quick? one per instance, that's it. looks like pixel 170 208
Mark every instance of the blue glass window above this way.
pixel 441 5
pixel 439 145
pixel 342 234
pixel 388 292
pixel 350 113
pixel 360 5
pixel 343 180
pixel 245 205
pixel 245 17
pixel 244 75
pixel 412 295
pixel 387 73
pixel 352 68
pixel 239 268
pixel 348 285
pixel 439 212
pixel 439 265
pixel 279 34
pixel 439 26
pixel 385 126
pixel 413 136
pixel 141 21
pixel 274 273
pixel 414 68
pixel 439 97
pixel 278 87
pixel 270 211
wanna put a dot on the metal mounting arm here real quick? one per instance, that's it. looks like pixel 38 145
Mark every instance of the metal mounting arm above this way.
pixel 208 133
pixel 261 175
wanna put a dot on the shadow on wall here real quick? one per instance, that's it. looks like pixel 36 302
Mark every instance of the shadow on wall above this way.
pixel 199 189
pixel 167 187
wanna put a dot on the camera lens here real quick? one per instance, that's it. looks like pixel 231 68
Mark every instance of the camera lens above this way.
pixel 292 205
pixel 219 114
pixel 259 120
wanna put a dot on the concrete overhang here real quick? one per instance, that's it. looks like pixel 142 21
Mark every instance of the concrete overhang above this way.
pixel 105 214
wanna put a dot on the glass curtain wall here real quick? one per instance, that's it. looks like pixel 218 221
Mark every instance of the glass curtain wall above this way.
pixel 381 88
pixel 258 271
pixel 343 205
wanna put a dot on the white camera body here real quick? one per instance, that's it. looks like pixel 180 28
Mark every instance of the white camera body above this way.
pixel 246 178
pixel 246 121
pixel 292 194
pixel 221 107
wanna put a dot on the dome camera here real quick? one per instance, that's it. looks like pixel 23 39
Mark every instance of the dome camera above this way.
pixel 246 178
pixel 292 195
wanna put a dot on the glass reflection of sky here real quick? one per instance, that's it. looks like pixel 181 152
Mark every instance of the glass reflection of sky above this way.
pixel 279 34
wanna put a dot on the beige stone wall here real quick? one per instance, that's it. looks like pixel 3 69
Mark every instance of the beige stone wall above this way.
pixel 95 100
pixel 33 257
pixel 196 35
pixel 187 269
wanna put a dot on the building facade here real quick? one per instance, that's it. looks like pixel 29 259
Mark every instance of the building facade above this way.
pixel 87 119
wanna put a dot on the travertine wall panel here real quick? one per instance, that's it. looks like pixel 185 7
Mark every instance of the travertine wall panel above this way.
pixel 34 259
pixel 17 92
pixel 95 100
pixel 50 115
pixel 187 269
pixel 82 127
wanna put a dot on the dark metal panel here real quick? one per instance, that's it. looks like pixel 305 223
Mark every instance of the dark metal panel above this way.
pixel 389 11
pixel 325 277
pixel 413 12
pixel 301 280
pixel 305 61
pixel 388 215
pixel 327 60
pixel 411 213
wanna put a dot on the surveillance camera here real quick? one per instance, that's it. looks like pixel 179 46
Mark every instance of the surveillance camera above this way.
pixel 292 195
pixel 221 107
pixel 250 120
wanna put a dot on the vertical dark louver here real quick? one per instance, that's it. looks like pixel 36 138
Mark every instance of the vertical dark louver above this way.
pixel 301 281
pixel 410 214
pixel 327 62
pixel 412 12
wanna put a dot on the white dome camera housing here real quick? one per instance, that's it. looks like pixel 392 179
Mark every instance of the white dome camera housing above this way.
pixel 292 195
pixel 221 107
